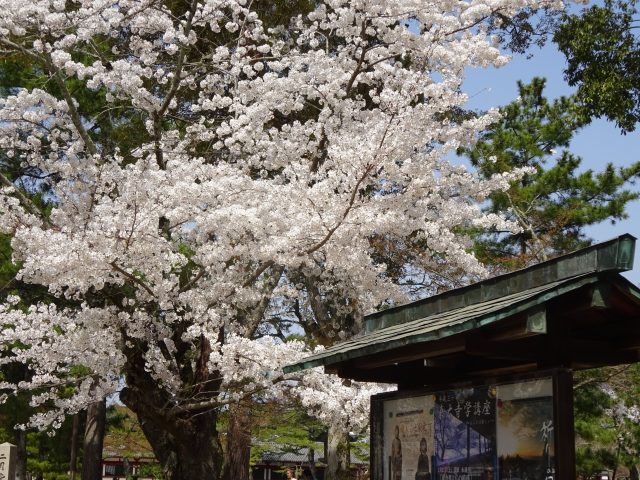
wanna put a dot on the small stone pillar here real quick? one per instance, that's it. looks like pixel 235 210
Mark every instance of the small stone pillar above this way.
pixel 8 454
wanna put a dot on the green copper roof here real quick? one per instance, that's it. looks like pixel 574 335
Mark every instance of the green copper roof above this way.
pixel 479 304
pixel 613 255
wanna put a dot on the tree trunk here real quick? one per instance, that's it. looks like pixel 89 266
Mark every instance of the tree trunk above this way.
pixel 338 455
pixel 184 437
pixel 238 450
pixel 311 458
pixel 73 457
pixel 187 447
pixel 21 455
pixel 93 440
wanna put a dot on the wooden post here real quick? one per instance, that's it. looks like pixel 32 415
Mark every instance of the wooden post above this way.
pixel 8 454
pixel 564 436
pixel 376 441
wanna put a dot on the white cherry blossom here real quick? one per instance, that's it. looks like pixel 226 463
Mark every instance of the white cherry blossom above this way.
pixel 260 169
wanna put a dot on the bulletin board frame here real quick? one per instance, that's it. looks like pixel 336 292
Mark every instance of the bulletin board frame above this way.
pixel 402 416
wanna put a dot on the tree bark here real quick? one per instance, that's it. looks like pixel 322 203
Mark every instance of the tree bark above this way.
pixel 184 439
pixel 21 455
pixel 311 458
pixel 187 447
pixel 73 457
pixel 93 440
pixel 338 455
pixel 238 450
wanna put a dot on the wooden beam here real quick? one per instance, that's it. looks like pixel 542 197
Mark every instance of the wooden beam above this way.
pixel 511 328
pixel 556 352
pixel 572 304
pixel 580 353
pixel 410 353
pixel 526 349
pixel 604 359
pixel 380 375
pixel 631 342
pixel 503 370
pixel 420 373
pixel 619 328
pixel 507 329
pixel 397 374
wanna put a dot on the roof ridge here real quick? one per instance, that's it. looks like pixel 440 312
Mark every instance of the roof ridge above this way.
pixel 613 255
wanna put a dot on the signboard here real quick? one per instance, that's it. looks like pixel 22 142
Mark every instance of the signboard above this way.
pixel 481 433
pixel 7 461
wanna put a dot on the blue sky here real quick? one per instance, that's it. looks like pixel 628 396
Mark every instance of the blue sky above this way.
pixel 597 144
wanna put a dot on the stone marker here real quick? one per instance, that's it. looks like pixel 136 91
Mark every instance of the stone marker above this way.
pixel 7 461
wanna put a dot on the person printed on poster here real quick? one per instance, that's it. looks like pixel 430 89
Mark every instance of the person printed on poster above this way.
pixel 424 462
pixel 396 457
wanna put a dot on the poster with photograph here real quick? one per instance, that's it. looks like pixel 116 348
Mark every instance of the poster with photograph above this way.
pixel 465 434
pixel 408 438
pixel 501 432
pixel 525 430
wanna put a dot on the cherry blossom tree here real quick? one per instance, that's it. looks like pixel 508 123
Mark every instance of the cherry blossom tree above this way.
pixel 211 162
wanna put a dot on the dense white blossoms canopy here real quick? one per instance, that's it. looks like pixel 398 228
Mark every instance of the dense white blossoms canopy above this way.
pixel 258 159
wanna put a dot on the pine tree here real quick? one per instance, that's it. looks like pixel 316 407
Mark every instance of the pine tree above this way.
pixel 556 200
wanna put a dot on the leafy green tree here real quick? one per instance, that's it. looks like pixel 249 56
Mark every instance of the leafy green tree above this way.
pixel 606 418
pixel 554 201
pixel 285 428
pixel 602 48
pixel 16 410
pixel 48 455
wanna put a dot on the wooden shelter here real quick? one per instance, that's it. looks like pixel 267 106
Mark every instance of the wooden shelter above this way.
pixel 573 312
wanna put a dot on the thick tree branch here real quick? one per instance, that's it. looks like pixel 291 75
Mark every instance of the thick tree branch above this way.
pixel 25 201
pixel 73 111
pixel 133 278
pixel 527 227
pixel 175 83
pixel 216 402
pixel 354 193
pixel 320 329
pixel 611 373
pixel 173 89
pixel 363 54
pixel 254 317
pixel 14 46
pixel 193 281
pixel 261 269
pixel 352 200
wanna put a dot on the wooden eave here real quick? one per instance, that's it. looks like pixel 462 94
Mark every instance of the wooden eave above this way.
pixel 590 319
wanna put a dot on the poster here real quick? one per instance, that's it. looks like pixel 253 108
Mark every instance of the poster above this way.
pixel 408 438
pixel 501 432
pixel 465 434
pixel 525 430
